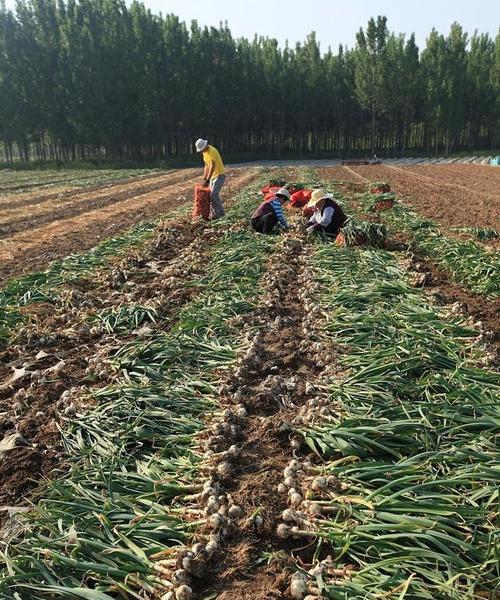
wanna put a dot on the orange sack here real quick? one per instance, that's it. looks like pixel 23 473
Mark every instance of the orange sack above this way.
pixel 201 206
pixel 271 193
pixel 300 198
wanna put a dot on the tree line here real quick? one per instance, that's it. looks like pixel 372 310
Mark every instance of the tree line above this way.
pixel 97 79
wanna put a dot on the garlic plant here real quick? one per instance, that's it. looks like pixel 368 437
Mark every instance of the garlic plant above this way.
pixel 134 463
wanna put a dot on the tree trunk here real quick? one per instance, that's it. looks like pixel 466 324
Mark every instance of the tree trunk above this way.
pixel 373 130
pixel 405 128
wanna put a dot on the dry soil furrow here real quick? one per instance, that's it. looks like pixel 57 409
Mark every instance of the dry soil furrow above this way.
pixel 27 185
pixel 23 252
pixel 270 382
pixel 354 174
pixel 448 207
pixel 15 206
pixel 55 210
pixel 482 178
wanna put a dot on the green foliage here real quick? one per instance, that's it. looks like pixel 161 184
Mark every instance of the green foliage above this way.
pixel 469 263
pixel 410 438
pixel 135 461
pixel 110 82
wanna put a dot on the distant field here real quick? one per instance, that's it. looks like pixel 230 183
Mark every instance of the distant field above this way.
pixel 17 182
pixel 46 215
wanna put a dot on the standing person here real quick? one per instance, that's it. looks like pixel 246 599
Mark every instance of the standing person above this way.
pixel 213 176
pixel 270 213
pixel 328 216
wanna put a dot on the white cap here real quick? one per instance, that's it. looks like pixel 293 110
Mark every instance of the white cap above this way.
pixel 283 192
pixel 317 194
pixel 201 145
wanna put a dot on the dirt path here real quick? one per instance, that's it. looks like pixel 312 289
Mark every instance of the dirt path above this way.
pixel 270 384
pixel 353 175
pixel 32 250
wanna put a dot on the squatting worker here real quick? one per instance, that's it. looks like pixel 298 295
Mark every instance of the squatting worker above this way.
pixel 213 176
pixel 270 213
pixel 328 217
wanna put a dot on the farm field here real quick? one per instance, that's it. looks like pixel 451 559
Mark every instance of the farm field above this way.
pixel 75 220
pixel 191 411
pixel 453 195
pixel 459 214
pixel 18 182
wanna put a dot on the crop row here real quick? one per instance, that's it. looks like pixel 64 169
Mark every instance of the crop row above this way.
pixel 470 264
pixel 103 527
pixel 20 181
pixel 408 434
pixel 43 286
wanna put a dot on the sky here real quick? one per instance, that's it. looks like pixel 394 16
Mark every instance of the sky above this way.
pixel 334 21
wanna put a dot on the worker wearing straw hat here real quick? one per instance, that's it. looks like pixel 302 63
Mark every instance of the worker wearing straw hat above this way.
pixel 328 216
pixel 213 176
pixel 270 213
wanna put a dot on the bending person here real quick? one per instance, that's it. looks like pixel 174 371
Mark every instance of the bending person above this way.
pixel 213 176
pixel 270 213
pixel 328 216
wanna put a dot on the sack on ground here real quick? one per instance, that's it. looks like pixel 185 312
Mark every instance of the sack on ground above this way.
pixel 201 206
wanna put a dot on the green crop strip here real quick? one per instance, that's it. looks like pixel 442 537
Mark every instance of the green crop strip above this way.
pixel 414 439
pixel 481 233
pixel 98 528
pixel 473 266
pixel 42 286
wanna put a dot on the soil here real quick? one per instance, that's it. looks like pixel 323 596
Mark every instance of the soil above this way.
pixel 21 215
pixel 271 385
pixel 34 405
pixel 481 179
pixel 484 310
pixel 33 249
pixel 65 189
pixel 448 204
pixel 438 281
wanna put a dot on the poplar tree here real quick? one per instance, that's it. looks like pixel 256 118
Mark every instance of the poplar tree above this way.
pixel 101 79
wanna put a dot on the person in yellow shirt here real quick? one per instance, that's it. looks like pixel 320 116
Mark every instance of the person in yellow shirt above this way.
pixel 213 176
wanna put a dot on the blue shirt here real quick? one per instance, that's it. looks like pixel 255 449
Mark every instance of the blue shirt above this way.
pixel 278 211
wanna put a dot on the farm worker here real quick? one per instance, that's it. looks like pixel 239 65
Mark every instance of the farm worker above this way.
pixel 270 213
pixel 213 176
pixel 316 194
pixel 328 217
